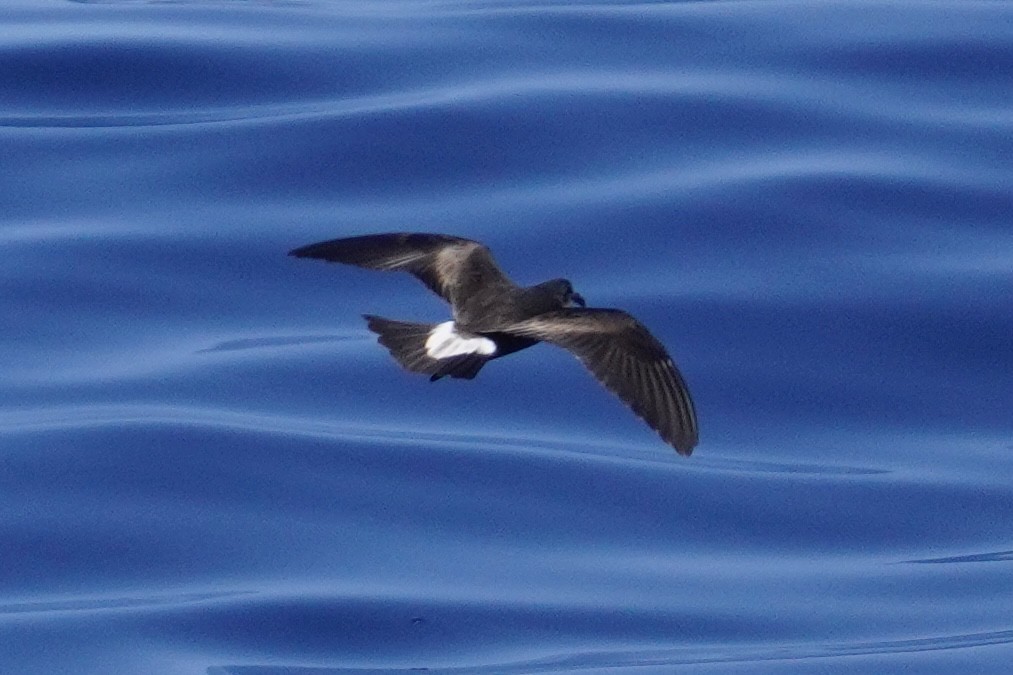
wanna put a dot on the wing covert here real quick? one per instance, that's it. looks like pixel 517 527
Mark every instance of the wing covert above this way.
pixel 451 267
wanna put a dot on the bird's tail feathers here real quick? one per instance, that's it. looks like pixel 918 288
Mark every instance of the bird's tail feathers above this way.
pixel 464 367
pixel 406 342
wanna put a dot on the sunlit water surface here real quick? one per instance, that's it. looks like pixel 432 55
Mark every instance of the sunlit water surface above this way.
pixel 207 465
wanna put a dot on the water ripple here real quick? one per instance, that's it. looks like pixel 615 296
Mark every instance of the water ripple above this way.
pixel 63 418
pixel 208 465
pixel 649 661
pixel 490 90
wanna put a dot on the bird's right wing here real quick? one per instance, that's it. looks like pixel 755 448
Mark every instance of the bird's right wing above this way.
pixel 452 267
pixel 629 361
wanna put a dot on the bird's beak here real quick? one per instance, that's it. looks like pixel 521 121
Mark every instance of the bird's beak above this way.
pixel 577 299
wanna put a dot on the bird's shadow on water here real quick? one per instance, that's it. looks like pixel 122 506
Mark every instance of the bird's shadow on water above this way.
pixel 243 344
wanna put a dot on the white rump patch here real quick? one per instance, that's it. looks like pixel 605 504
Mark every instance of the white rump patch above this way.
pixel 445 342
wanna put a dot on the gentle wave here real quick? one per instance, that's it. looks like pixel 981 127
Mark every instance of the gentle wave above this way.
pixel 749 91
pixel 224 617
pixel 116 416
pixel 208 464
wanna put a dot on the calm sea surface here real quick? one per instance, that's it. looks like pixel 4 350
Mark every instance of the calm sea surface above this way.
pixel 208 466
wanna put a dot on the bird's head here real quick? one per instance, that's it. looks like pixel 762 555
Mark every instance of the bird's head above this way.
pixel 562 290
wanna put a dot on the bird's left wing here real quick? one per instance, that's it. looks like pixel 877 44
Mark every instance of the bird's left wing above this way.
pixel 452 267
pixel 624 356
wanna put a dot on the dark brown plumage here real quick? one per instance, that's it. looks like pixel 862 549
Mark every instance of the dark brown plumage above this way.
pixel 494 317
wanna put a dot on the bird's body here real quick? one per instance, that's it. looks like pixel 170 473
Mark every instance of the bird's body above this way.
pixel 494 317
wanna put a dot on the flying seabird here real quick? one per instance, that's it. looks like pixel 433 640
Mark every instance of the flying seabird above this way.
pixel 494 317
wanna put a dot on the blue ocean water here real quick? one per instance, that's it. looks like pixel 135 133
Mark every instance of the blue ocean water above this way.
pixel 207 464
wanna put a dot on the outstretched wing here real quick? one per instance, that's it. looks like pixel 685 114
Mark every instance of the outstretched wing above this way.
pixel 629 361
pixel 452 267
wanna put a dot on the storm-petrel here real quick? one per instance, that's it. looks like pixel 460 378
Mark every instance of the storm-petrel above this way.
pixel 494 317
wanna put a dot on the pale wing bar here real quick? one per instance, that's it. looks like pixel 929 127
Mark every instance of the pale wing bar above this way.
pixel 445 264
